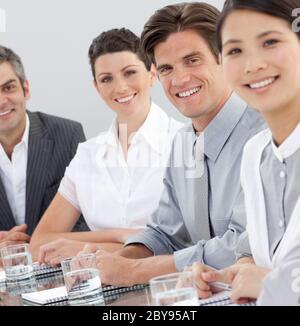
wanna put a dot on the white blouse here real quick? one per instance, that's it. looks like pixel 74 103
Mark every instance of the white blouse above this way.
pixel 111 192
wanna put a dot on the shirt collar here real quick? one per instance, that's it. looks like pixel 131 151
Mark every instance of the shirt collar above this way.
pixel 289 146
pixel 155 126
pixel 25 137
pixel 153 129
pixel 220 128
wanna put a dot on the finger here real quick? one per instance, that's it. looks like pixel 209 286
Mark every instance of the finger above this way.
pixel 87 249
pixel 45 251
pixel 55 261
pixel 19 228
pixel 18 236
pixel 3 235
pixel 10 243
pixel 204 294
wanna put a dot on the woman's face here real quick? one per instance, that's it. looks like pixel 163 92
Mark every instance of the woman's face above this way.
pixel 123 82
pixel 261 59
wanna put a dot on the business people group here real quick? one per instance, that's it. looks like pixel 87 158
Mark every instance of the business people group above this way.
pixel 220 193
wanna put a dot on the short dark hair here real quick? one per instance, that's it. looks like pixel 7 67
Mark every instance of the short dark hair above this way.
pixel 116 40
pixel 278 8
pixel 198 16
pixel 8 55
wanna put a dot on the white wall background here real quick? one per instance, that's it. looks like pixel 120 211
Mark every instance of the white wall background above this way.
pixel 53 36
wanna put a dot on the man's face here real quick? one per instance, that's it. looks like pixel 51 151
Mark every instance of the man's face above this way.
pixel 12 101
pixel 190 74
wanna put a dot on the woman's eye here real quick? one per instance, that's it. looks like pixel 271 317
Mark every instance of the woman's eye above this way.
pixel 270 42
pixel 105 79
pixel 130 72
pixel 234 51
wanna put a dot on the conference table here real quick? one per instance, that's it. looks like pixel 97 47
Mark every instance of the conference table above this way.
pixel 11 295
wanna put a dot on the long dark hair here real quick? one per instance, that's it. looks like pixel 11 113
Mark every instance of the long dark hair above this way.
pixel 278 8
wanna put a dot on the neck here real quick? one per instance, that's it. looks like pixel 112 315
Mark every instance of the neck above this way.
pixel 10 139
pixel 202 122
pixel 129 125
pixel 282 123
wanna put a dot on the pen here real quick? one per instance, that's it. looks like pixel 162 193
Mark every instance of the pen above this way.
pixel 221 285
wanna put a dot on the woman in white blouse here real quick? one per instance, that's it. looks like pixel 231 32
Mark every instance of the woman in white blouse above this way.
pixel 115 180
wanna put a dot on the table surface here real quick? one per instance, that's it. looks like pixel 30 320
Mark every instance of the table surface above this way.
pixel 11 295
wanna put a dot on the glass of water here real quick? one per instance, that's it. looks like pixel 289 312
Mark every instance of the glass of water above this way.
pixel 17 262
pixel 82 280
pixel 176 289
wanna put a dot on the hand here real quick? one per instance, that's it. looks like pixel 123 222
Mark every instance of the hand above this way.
pixel 55 251
pixel 114 269
pixel 16 235
pixel 245 279
pixel 203 288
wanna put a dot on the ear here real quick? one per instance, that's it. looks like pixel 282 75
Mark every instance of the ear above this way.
pixel 153 74
pixel 26 89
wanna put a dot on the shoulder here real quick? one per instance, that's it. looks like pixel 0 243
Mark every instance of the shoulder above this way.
pixel 54 123
pixel 252 120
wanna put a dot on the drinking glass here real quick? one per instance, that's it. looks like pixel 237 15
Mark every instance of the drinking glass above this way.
pixel 17 262
pixel 82 280
pixel 176 289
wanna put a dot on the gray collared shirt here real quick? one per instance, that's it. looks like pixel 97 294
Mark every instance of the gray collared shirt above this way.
pixel 172 227
pixel 281 185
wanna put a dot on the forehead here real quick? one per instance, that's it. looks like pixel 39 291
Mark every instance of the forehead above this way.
pixel 249 23
pixel 181 44
pixel 110 62
pixel 6 72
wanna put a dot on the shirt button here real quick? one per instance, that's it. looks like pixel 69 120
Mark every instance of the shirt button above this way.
pixel 281 224
pixel 282 174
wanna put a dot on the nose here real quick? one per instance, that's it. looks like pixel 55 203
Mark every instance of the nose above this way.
pixel 3 101
pixel 180 77
pixel 121 86
pixel 254 63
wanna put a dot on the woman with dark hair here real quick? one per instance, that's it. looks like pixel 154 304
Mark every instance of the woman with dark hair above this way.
pixel 116 179
pixel 260 50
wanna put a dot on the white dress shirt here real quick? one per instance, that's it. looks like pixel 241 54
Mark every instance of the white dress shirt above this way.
pixel 112 192
pixel 13 176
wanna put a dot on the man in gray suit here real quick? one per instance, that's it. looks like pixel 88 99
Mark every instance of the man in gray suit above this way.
pixel 35 149
pixel 198 219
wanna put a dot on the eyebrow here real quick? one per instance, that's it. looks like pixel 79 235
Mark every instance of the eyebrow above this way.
pixel 235 41
pixel 8 82
pixel 123 69
pixel 188 56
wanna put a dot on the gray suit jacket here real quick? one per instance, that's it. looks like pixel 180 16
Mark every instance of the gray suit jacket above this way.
pixel 52 144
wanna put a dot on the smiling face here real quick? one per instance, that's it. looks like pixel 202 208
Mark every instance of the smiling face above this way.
pixel 12 102
pixel 190 75
pixel 262 62
pixel 123 82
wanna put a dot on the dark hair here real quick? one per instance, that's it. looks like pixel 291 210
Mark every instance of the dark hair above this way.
pixel 116 40
pixel 278 8
pixel 8 55
pixel 198 16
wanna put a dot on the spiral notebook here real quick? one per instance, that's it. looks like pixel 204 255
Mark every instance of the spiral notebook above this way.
pixel 59 294
pixel 222 299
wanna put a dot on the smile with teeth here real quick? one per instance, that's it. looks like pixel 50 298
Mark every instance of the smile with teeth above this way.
pixel 125 99
pixel 263 83
pixel 2 114
pixel 189 92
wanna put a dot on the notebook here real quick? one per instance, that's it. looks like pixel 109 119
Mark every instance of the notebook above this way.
pixel 59 294
pixel 222 299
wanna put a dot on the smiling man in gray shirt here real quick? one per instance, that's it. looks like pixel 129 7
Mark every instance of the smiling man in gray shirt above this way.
pixel 181 41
